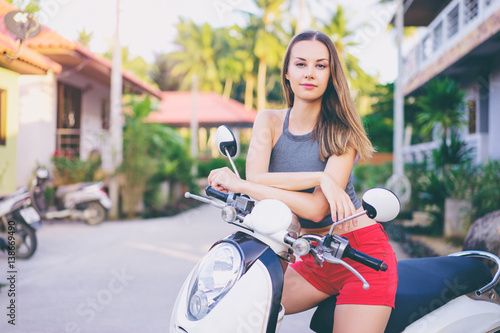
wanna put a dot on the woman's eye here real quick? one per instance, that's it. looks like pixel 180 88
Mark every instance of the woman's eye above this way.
pixel 300 64
pixel 320 66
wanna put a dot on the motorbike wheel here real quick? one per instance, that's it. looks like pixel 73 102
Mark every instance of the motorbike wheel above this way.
pixel 96 212
pixel 25 238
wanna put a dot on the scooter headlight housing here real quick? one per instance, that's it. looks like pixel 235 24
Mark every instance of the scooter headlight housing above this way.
pixel 213 278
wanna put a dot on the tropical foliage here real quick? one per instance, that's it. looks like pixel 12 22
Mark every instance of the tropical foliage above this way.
pixel 68 169
pixel 30 6
pixel 243 62
pixel 151 153
pixel 442 103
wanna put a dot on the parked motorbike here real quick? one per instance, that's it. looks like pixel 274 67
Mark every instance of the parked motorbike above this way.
pixel 82 201
pixel 18 222
pixel 237 286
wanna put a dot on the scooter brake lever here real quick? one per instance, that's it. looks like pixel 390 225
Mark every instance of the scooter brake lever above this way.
pixel 317 254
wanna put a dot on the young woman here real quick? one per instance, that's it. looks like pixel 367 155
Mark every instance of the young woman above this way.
pixel 304 156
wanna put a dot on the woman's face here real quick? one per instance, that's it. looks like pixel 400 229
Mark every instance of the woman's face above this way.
pixel 308 70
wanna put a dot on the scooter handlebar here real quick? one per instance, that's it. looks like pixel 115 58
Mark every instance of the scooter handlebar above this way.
pixel 211 192
pixel 365 259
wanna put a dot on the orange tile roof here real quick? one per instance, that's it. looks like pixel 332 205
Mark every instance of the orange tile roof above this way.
pixel 49 40
pixel 213 110
pixel 10 47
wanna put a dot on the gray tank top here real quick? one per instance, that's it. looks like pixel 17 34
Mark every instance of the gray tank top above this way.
pixel 296 153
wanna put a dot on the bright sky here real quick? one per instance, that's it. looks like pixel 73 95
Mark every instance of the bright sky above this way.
pixel 147 26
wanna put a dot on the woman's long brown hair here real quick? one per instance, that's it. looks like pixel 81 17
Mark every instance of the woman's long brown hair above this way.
pixel 339 125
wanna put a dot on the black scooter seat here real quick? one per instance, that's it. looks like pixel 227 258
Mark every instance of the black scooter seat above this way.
pixel 425 284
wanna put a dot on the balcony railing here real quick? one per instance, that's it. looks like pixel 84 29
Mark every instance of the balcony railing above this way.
pixel 455 22
pixel 477 142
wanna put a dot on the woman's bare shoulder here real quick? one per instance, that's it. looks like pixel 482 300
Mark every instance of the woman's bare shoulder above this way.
pixel 272 117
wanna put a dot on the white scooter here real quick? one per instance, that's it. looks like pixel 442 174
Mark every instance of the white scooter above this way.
pixel 237 286
pixel 18 223
pixel 82 201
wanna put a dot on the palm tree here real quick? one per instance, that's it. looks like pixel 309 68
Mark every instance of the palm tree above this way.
pixel 303 7
pixel 269 44
pixel 136 65
pixel 246 37
pixel 443 103
pixel 343 39
pixel 85 37
pixel 230 61
pixel 161 73
pixel 197 56
pixel 32 6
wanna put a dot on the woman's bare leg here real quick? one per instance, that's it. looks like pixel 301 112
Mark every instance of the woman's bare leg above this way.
pixel 355 318
pixel 298 294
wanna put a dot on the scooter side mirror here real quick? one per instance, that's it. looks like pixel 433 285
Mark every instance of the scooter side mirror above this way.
pixel 226 142
pixel 381 204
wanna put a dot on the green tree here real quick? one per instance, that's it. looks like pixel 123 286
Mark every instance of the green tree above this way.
pixel 85 37
pixel 380 121
pixel 30 6
pixel 231 60
pixel 136 65
pixel 269 45
pixel 442 103
pixel 161 73
pixel 197 56
pixel 246 39
pixel 344 39
pixel 139 162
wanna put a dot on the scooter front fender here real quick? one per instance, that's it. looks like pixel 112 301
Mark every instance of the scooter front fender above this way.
pixel 252 305
pixel 105 201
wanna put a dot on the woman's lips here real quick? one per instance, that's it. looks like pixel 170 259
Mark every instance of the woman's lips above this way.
pixel 308 85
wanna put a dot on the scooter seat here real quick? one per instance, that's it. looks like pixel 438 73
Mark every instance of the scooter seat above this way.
pixel 424 285
pixel 63 189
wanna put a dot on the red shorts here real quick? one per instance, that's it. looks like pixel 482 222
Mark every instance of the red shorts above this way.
pixel 335 279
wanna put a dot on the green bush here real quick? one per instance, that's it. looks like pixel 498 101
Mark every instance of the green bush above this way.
pixel 367 176
pixel 464 181
pixel 68 169
pixel 486 198
pixel 204 167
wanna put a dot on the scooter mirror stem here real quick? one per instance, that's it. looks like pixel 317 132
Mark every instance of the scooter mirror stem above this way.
pixel 232 163
pixel 345 220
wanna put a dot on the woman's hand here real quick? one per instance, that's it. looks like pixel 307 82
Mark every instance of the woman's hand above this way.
pixel 341 204
pixel 224 180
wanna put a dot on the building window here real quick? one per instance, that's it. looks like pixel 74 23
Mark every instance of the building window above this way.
pixel 452 18
pixel 471 108
pixel 437 36
pixel 470 10
pixel 3 117
pixel 105 114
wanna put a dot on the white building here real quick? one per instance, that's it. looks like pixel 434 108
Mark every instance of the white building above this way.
pixel 461 40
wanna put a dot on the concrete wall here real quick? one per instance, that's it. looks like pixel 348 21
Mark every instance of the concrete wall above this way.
pixel 37 124
pixel 8 152
pixel 38 121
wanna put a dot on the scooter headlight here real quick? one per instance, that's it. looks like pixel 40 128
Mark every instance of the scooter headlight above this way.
pixel 214 277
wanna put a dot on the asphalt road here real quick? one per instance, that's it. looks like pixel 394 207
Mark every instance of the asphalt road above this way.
pixel 120 276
